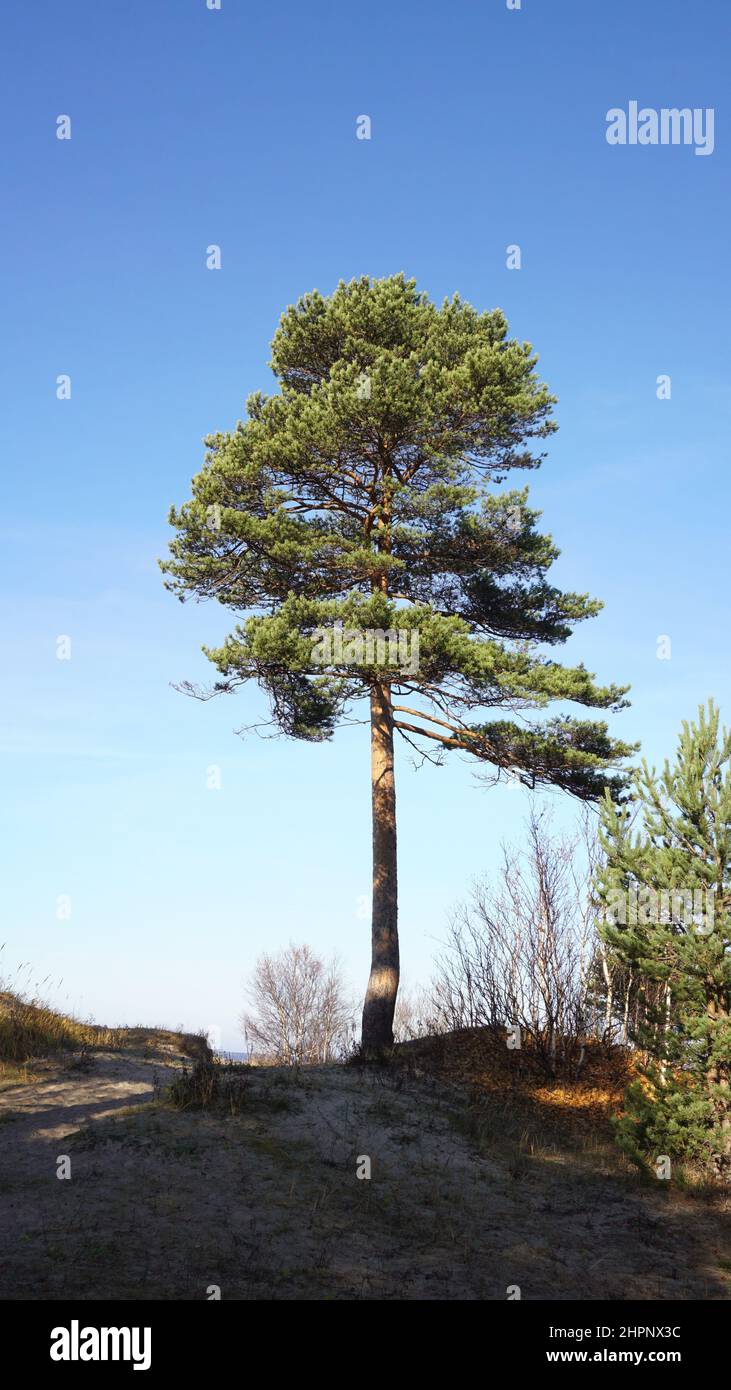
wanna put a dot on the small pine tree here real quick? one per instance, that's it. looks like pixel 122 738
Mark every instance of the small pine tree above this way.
pixel 666 890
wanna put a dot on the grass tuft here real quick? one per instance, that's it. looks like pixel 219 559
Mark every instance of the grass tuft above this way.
pixel 210 1085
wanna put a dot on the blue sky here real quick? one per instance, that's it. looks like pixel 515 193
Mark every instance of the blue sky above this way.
pixel 238 127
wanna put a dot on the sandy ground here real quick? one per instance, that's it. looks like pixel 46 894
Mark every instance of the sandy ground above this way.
pixel 267 1203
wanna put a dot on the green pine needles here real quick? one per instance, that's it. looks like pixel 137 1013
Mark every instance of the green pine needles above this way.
pixel 359 494
pixel 666 888
pixel 355 523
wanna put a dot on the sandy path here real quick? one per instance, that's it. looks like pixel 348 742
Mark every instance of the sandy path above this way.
pixel 267 1203
pixel 62 1101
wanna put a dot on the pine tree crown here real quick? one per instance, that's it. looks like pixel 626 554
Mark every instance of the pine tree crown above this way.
pixel 363 495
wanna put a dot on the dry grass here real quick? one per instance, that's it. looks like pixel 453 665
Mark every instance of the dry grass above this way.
pixel 475 1058
pixel 31 1030
pixel 209 1085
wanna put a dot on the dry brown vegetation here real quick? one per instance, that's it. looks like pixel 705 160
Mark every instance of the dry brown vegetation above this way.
pixel 30 1029
pixel 479 1060
pixel 31 1032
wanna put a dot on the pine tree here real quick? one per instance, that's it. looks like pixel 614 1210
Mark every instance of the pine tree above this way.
pixel 350 518
pixel 666 890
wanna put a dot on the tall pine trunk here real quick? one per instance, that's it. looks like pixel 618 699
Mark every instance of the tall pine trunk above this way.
pixel 380 1000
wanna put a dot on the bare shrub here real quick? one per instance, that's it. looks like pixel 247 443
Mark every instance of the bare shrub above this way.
pixel 414 1015
pixel 299 1010
pixel 523 951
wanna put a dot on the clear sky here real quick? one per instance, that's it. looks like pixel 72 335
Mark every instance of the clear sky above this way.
pixel 237 127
